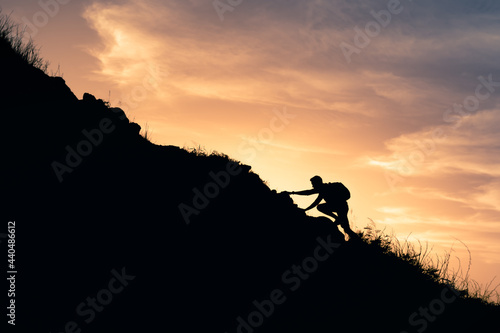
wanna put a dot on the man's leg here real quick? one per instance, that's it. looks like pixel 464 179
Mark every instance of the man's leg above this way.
pixel 344 223
pixel 325 209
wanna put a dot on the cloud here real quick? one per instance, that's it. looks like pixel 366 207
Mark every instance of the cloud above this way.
pixel 267 57
pixel 469 146
pixel 126 52
pixel 287 52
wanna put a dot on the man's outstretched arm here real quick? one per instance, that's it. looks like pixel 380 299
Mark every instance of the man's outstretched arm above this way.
pixel 315 203
pixel 305 192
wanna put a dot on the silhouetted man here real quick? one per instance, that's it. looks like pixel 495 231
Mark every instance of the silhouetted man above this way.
pixel 335 196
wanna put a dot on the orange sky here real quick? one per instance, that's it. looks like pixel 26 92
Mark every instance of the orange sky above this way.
pixel 402 114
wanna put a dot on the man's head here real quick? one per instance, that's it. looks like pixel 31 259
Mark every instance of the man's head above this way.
pixel 316 181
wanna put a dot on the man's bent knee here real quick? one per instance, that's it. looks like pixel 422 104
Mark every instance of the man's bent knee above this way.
pixel 322 208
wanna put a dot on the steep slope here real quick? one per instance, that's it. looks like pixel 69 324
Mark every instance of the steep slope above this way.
pixel 116 234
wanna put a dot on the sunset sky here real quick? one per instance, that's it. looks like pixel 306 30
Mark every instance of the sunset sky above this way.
pixel 399 100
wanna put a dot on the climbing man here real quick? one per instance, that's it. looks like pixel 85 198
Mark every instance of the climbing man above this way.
pixel 335 196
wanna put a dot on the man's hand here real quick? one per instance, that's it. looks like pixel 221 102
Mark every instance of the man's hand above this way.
pixel 286 192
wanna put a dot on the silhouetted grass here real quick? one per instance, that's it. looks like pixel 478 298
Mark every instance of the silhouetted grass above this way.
pixel 436 268
pixel 146 133
pixel 198 151
pixel 11 37
pixel 201 151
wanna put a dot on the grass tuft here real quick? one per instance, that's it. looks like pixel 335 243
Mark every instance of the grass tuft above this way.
pixel 11 36
pixel 435 268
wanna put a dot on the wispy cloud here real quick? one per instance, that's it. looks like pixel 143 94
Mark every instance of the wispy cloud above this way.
pixel 126 51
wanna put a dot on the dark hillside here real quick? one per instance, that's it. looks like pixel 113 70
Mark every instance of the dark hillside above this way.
pixel 116 234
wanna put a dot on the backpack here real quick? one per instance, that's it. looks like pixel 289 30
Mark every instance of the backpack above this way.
pixel 337 191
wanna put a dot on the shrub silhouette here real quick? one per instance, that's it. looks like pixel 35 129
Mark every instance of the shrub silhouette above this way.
pixel 120 209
